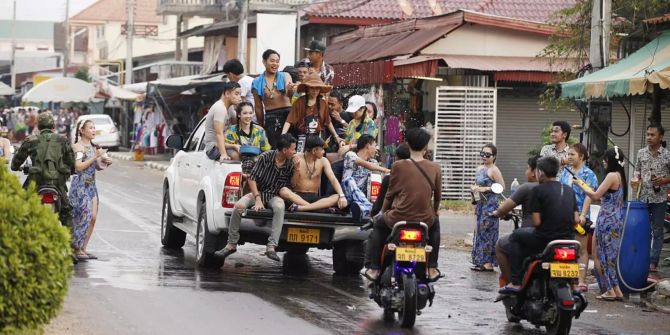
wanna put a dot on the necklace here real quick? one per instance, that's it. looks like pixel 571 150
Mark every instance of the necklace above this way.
pixel 271 89
pixel 311 172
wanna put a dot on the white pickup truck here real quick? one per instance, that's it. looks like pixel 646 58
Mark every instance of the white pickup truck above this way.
pixel 198 198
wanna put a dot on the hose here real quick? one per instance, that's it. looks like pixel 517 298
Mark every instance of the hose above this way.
pixel 618 258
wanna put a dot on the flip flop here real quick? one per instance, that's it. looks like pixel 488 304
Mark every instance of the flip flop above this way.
pixel 225 252
pixel 509 290
pixel 436 278
pixel 365 274
pixel 271 254
pixel 481 268
pixel 91 256
pixel 583 288
pixel 604 297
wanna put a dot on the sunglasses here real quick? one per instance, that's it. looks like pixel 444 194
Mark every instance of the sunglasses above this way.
pixel 485 154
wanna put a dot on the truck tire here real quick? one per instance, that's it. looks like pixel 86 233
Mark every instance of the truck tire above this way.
pixel 171 236
pixel 348 257
pixel 206 243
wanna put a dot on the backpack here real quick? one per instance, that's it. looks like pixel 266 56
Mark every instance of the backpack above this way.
pixel 48 164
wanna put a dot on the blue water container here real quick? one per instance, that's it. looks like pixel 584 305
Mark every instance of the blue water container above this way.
pixel 635 247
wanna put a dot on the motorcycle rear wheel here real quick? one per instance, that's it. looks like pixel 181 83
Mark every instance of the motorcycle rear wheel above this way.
pixel 407 316
pixel 510 316
pixel 562 323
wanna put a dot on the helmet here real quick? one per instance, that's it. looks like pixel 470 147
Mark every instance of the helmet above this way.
pixel 45 121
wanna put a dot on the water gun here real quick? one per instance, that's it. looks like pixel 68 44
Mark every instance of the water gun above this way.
pixel 580 182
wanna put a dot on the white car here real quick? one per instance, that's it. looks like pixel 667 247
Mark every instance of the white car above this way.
pixel 106 133
pixel 198 197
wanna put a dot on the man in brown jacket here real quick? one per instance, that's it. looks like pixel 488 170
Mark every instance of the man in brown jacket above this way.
pixel 411 197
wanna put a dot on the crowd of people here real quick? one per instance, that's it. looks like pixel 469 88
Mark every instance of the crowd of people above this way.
pixel 290 129
pixel 18 123
pixel 556 204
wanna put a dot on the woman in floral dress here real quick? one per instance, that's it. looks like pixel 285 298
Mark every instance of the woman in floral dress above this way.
pixel 609 225
pixel 486 234
pixel 83 192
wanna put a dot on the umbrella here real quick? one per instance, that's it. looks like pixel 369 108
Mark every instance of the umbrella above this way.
pixel 61 90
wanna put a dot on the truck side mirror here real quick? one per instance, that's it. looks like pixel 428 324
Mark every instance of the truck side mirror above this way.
pixel 175 142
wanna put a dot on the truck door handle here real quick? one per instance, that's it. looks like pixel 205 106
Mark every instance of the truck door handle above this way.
pixel 198 166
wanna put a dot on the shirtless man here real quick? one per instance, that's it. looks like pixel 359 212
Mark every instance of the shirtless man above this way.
pixel 306 180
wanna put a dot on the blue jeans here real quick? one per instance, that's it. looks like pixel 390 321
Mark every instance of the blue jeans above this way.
pixel 657 217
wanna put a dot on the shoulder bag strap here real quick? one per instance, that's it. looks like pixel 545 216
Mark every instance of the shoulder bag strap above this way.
pixel 423 172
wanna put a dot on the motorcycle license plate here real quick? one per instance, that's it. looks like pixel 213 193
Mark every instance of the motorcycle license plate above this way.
pixel 302 235
pixel 404 254
pixel 563 270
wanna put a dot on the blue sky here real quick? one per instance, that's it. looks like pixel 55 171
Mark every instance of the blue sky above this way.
pixel 41 10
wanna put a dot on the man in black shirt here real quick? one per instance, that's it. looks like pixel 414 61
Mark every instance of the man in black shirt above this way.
pixel 272 171
pixel 554 212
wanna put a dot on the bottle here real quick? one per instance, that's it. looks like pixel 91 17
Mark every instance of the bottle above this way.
pixel 514 186
pixel 580 229
pixel 656 187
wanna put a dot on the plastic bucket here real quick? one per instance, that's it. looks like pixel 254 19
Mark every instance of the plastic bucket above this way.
pixel 635 247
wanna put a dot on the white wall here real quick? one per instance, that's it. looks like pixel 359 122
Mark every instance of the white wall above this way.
pixel 478 40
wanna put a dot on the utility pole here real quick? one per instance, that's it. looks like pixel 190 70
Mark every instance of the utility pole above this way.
pixel 66 56
pixel 601 17
pixel 13 59
pixel 130 30
pixel 242 34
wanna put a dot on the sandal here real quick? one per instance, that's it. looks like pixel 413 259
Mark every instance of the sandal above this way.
pixel 91 256
pixel 509 290
pixel 367 276
pixel 481 268
pixel 225 252
pixel 434 279
pixel 605 297
pixel 583 288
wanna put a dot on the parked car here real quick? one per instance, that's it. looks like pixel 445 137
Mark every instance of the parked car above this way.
pixel 106 133
pixel 198 199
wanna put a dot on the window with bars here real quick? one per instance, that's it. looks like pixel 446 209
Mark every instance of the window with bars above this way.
pixel 465 120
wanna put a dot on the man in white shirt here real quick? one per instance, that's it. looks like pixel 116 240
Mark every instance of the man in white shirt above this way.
pixel 235 72
pixel 215 121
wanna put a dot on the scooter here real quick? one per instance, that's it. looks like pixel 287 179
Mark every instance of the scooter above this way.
pixel 49 194
pixel 547 297
pixel 402 286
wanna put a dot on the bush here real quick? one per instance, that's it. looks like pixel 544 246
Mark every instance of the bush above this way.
pixel 35 263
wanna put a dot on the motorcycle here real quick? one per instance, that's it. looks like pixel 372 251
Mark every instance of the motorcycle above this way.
pixel 402 286
pixel 49 194
pixel 547 297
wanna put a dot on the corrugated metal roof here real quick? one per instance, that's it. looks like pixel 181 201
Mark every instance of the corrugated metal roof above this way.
pixel 358 74
pixel 497 63
pixel 531 10
pixel 659 19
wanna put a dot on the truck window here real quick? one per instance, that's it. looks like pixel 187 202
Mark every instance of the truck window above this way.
pixel 192 143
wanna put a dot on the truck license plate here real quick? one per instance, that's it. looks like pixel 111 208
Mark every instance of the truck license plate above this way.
pixel 563 270
pixel 404 254
pixel 303 235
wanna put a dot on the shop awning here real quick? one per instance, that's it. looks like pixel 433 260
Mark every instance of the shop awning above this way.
pixel 366 73
pixel 176 85
pixel 5 89
pixel 632 75
pixel 61 90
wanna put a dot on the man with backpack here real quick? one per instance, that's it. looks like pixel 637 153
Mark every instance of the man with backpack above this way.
pixel 52 162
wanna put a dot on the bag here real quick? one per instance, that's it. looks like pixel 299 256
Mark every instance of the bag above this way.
pixel 48 165
pixel 432 187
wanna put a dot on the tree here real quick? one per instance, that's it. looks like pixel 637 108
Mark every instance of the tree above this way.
pixel 82 73
pixel 571 40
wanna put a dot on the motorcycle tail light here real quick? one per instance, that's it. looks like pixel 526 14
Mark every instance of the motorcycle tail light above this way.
pixel 565 254
pixel 567 302
pixel 411 235
pixel 48 198
pixel 231 190
pixel 375 189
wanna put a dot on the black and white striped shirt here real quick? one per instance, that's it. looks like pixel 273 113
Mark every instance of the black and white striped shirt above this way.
pixel 269 177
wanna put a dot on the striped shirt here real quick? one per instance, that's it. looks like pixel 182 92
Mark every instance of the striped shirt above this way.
pixel 269 177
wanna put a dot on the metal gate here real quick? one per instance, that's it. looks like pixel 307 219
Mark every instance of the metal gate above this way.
pixel 465 120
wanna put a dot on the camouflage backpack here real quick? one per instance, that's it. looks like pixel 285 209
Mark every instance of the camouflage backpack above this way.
pixel 48 167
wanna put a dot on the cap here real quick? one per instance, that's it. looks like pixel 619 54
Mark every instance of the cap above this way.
pixel 315 45
pixel 45 120
pixel 355 103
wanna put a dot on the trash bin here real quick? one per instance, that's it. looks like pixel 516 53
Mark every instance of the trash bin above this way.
pixel 635 247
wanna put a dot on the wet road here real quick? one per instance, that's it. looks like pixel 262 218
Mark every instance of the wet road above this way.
pixel 136 287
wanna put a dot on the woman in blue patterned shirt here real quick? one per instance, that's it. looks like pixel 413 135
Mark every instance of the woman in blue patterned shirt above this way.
pixel 577 157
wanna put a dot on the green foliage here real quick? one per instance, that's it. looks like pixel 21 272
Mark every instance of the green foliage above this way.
pixel 546 139
pixel 35 263
pixel 82 73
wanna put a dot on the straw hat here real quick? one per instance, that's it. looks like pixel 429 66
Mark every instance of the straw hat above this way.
pixel 314 80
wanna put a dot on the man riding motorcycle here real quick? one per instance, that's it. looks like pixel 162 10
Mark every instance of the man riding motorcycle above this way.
pixel 412 183
pixel 52 162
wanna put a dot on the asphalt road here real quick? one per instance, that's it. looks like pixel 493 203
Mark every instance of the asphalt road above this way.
pixel 137 287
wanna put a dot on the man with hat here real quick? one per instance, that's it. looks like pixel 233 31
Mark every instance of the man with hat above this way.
pixel 309 114
pixel 315 54
pixel 48 147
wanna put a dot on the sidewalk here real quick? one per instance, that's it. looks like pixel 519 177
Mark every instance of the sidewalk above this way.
pixel 158 162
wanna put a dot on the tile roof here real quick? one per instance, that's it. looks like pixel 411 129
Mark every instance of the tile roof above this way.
pixel 530 10
pixel 115 11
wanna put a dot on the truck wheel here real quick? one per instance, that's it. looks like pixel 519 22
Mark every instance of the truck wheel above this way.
pixel 171 236
pixel 206 243
pixel 348 257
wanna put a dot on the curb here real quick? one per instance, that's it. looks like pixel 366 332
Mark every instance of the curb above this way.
pixel 120 156
pixel 156 166
pixel 160 166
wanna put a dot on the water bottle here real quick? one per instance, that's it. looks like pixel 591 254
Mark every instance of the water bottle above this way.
pixel 514 186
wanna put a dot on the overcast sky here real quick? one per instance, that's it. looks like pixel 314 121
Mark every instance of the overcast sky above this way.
pixel 41 10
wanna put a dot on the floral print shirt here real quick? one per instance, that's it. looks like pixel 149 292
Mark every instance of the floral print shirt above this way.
pixel 648 164
pixel 369 127
pixel 550 150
